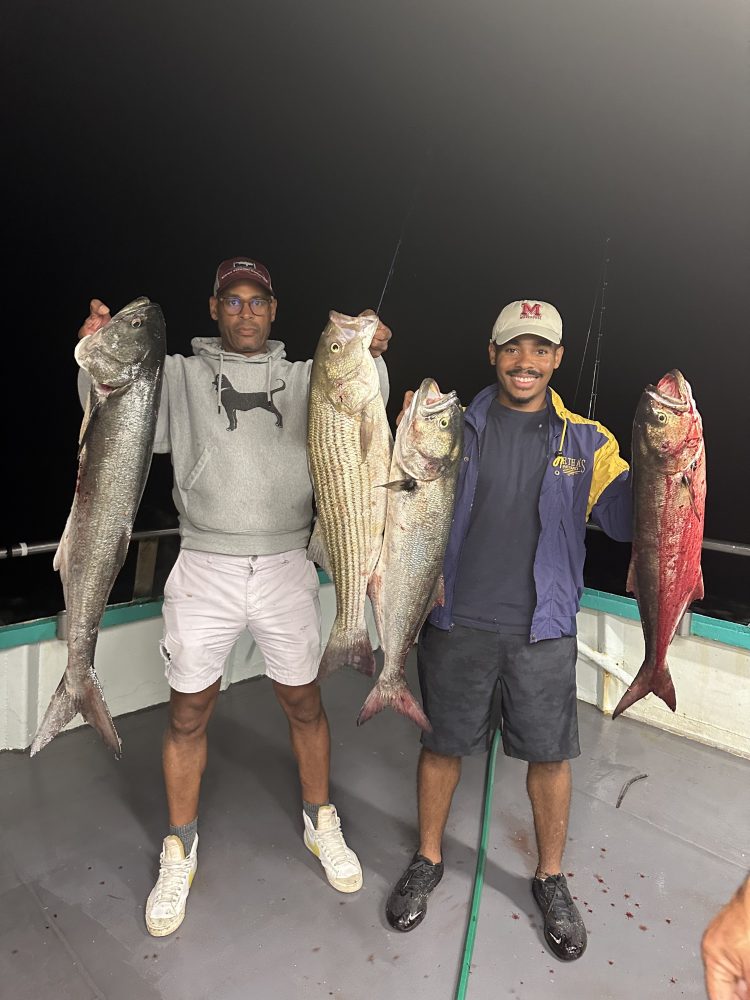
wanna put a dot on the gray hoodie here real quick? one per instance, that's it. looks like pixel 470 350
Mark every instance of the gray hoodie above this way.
pixel 241 479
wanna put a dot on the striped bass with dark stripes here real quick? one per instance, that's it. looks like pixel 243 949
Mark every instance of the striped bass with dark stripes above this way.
pixel 349 449
pixel 408 578
pixel 669 497
pixel 124 359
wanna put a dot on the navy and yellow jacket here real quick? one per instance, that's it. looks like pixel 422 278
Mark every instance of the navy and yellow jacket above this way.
pixel 585 477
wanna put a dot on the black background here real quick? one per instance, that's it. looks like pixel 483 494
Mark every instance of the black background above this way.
pixel 506 141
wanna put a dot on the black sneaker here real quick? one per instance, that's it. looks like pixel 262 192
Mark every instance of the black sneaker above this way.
pixel 564 931
pixel 407 904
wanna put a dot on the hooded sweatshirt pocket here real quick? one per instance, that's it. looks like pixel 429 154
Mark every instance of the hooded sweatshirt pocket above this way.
pixel 199 466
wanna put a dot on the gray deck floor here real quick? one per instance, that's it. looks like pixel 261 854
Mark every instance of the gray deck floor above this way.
pixel 80 836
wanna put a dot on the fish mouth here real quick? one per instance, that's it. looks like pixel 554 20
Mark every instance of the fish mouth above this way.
pixel 133 306
pixel 672 392
pixel 354 327
pixel 432 399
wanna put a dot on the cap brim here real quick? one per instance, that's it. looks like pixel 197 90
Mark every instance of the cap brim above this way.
pixel 234 279
pixel 533 330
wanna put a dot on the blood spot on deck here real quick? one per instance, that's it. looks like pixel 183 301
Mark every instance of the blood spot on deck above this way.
pixel 514 916
pixel 627 895
pixel 317 949
pixel 642 876
pixel 668 920
pixel 611 962
pixel 569 875
pixel 629 916
pixel 371 958
pixel 599 879
pixel 642 927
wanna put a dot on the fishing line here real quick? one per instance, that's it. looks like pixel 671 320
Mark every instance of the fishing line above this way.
pixel 603 273
pixel 471 928
pixel 415 192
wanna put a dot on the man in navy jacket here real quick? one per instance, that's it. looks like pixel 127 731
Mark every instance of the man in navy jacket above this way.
pixel 502 646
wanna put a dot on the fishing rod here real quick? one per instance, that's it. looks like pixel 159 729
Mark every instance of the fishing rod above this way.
pixel 600 286
pixel 600 332
pixel 413 202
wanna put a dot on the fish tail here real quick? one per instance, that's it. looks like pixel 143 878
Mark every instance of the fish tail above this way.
pixel 347 648
pixel 649 679
pixel 396 695
pixel 64 706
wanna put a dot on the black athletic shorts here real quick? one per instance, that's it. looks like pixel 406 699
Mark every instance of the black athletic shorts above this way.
pixel 473 680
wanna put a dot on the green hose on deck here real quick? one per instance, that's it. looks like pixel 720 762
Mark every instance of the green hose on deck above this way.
pixel 471 930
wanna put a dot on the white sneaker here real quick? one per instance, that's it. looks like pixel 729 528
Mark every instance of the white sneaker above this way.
pixel 165 906
pixel 341 864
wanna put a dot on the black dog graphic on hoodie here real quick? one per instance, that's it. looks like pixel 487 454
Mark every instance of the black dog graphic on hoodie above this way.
pixel 232 400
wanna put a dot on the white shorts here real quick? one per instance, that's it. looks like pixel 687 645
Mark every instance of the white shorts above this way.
pixel 210 598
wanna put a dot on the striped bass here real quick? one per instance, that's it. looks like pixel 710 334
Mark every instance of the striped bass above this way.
pixel 349 449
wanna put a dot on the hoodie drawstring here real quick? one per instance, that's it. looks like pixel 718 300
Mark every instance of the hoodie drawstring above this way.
pixel 219 381
pixel 268 379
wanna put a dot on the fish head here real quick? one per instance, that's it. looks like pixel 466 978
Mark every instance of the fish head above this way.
pixel 667 423
pixel 133 341
pixel 344 367
pixel 429 439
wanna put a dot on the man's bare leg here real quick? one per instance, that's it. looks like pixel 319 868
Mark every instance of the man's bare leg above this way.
pixel 310 737
pixel 437 780
pixel 549 785
pixel 185 750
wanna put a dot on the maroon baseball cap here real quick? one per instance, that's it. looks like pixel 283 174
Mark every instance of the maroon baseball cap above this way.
pixel 241 269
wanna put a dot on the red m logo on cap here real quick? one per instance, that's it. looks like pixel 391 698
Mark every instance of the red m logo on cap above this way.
pixel 531 312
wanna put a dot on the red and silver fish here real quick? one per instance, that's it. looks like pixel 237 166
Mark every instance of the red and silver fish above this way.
pixel 669 495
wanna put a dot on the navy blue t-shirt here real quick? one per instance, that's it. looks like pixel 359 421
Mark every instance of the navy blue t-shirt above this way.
pixel 495 587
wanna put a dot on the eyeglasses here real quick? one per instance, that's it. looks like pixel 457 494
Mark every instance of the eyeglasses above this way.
pixel 234 304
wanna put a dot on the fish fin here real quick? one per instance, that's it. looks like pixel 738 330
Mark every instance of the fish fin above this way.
pixel 122 547
pixel 64 706
pixel 88 422
pixel 60 560
pixel 352 648
pixel 648 681
pixel 374 592
pixel 699 593
pixel 316 548
pixel 687 481
pixel 403 485
pixel 438 594
pixel 632 582
pixel 395 695
pixel 366 428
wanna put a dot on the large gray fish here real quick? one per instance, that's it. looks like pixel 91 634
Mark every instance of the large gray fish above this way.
pixel 349 448
pixel 124 359
pixel 669 497
pixel 408 581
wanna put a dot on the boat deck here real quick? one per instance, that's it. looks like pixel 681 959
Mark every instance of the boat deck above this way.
pixel 81 833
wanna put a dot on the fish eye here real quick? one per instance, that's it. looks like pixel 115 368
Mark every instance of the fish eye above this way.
pixel 136 322
pixel 444 421
pixel 661 416
pixel 335 348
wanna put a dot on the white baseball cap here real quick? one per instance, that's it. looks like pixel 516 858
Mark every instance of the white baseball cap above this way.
pixel 528 316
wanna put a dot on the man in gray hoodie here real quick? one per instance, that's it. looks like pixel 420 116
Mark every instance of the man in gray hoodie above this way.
pixel 234 417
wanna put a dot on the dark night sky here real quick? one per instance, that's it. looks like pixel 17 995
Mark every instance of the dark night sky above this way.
pixel 148 141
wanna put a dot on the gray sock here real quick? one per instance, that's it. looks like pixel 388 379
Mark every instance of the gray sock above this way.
pixel 186 833
pixel 312 811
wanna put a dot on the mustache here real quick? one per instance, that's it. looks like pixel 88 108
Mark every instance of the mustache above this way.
pixel 525 371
